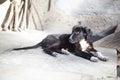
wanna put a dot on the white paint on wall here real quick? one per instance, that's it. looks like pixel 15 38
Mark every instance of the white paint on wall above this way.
pixel 88 6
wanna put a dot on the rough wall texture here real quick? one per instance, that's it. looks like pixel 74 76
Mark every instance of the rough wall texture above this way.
pixel 63 14
pixel 96 14
pixel 96 22
pixel 88 6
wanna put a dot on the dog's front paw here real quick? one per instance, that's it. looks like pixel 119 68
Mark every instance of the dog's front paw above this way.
pixel 104 58
pixel 94 59
pixel 101 56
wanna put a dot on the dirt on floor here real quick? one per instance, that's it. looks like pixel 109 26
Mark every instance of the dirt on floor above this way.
pixel 34 64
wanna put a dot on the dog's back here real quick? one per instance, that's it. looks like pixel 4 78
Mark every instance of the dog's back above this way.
pixel 49 40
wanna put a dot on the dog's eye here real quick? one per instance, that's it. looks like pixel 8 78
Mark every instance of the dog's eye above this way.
pixel 77 32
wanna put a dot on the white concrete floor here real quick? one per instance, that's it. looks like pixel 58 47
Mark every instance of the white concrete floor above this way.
pixel 34 64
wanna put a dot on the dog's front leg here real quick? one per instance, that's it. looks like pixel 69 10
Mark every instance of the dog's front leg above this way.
pixel 99 55
pixel 86 55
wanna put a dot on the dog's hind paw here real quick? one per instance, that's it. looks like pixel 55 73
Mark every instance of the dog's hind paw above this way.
pixel 54 54
pixel 66 52
pixel 94 59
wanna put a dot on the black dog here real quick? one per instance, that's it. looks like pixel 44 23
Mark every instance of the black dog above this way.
pixel 78 43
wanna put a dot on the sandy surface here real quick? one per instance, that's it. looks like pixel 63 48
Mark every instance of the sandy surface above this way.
pixel 34 64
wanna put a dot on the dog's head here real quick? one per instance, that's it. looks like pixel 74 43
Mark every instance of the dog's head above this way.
pixel 78 33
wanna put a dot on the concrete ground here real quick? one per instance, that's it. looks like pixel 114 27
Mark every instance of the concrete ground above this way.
pixel 34 64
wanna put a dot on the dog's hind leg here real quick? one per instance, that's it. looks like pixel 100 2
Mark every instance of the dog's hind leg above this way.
pixel 65 51
pixel 62 51
pixel 50 52
pixel 52 49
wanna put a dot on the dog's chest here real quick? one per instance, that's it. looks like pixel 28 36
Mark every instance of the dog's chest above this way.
pixel 84 44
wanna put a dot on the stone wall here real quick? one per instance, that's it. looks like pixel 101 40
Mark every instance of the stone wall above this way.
pixel 63 15
pixel 95 14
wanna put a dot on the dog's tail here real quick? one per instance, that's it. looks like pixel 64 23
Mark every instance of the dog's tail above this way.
pixel 29 47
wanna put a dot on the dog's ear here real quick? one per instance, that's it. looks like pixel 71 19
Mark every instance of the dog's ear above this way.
pixel 89 32
pixel 75 27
